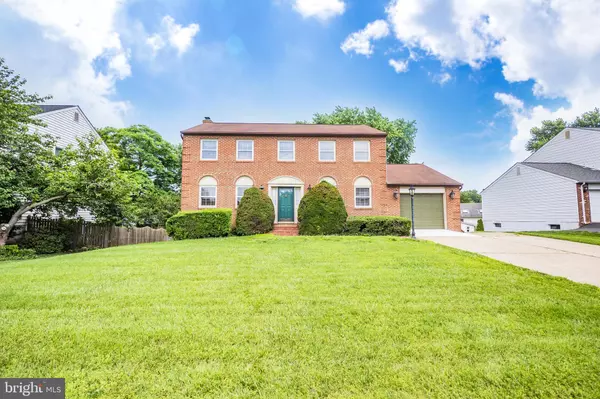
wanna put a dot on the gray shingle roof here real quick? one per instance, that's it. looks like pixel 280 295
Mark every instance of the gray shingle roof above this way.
pixel 49 108
pixel 470 210
pixel 576 172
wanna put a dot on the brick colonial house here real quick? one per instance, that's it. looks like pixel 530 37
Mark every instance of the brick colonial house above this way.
pixel 221 160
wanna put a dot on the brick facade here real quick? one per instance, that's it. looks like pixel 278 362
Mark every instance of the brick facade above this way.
pixel 306 167
pixel 588 210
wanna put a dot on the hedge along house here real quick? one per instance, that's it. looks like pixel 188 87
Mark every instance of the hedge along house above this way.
pixel 222 160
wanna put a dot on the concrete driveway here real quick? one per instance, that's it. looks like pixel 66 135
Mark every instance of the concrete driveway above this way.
pixel 575 261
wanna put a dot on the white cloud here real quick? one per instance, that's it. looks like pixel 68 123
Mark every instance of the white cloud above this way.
pixel 360 42
pixel 510 101
pixel 442 78
pixel 321 9
pixel 399 65
pixel 552 43
pixel 86 30
pixel 176 35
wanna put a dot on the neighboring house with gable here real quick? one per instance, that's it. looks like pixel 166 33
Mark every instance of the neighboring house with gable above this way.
pixel 556 188
pixel 66 123
pixel 470 214
pixel 221 160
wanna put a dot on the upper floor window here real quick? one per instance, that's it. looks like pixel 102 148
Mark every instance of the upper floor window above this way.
pixel 209 150
pixel 76 117
pixel 327 151
pixel 362 151
pixel 362 193
pixel 286 151
pixel 245 150
pixel 208 192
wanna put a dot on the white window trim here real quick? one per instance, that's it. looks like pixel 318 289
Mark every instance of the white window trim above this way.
pixel 216 149
pixel 370 198
pixel 334 151
pixel 293 150
pixel 200 197
pixel 368 150
pixel 237 151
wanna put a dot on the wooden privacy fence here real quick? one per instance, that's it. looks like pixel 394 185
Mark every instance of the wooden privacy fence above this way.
pixel 92 235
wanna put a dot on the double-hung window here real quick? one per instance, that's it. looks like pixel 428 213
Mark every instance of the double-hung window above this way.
pixel 327 151
pixel 209 150
pixel 362 193
pixel 362 151
pixel 245 150
pixel 208 192
pixel 286 151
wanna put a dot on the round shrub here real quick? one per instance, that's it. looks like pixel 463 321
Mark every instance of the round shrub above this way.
pixel 255 213
pixel 322 211
pixel 45 240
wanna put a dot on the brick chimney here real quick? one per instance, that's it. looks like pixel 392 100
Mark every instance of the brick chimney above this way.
pixel 207 120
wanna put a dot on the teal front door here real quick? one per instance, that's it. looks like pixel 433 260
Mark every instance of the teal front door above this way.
pixel 285 204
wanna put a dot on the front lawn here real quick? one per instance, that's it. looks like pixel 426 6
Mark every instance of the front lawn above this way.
pixel 585 237
pixel 297 317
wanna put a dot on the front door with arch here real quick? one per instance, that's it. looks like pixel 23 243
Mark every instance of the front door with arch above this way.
pixel 285 204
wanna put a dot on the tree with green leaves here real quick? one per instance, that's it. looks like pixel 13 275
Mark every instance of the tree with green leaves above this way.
pixel 541 135
pixel 32 177
pixel 156 164
pixel 401 133
pixel 470 196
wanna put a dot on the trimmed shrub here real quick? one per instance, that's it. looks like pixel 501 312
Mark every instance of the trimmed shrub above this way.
pixel 479 226
pixel 322 211
pixel 377 226
pixel 12 252
pixel 255 213
pixel 189 225
pixel 46 240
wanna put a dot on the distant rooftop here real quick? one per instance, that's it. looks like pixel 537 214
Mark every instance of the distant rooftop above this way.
pixel 470 210
pixel 49 108
pixel 576 172
pixel 282 129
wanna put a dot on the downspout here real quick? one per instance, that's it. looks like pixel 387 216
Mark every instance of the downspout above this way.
pixel 583 202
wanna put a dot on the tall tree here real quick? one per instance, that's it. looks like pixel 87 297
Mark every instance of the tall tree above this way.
pixel 156 164
pixel 401 133
pixel 33 178
pixel 469 196
pixel 541 135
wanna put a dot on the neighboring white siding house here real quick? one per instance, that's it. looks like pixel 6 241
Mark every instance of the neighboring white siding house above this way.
pixel 528 199
pixel 557 187
pixel 576 146
pixel 66 123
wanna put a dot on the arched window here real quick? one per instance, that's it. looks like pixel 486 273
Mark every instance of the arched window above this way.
pixel 329 180
pixel 241 185
pixel 208 192
pixel 362 193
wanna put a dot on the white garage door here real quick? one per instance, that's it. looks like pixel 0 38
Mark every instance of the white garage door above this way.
pixel 595 205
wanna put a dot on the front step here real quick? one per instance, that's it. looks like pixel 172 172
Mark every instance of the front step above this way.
pixel 285 230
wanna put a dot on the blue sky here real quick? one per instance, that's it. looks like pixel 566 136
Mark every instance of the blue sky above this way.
pixel 475 77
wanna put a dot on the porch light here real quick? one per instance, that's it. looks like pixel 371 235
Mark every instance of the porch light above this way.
pixel 262 187
pixel 452 194
pixel 309 187
pixel 396 194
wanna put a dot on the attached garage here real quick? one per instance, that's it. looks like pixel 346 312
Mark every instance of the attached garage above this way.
pixel 595 203
pixel 429 210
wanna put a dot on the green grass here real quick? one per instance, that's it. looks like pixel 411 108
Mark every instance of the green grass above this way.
pixel 585 237
pixel 297 317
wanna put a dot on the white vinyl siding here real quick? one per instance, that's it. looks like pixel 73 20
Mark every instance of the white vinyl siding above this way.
pixel 362 151
pixel 245 150
pixel 286 150
pixel 209 150
pixel 530 201
pixel 582 148
pixel 327 151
